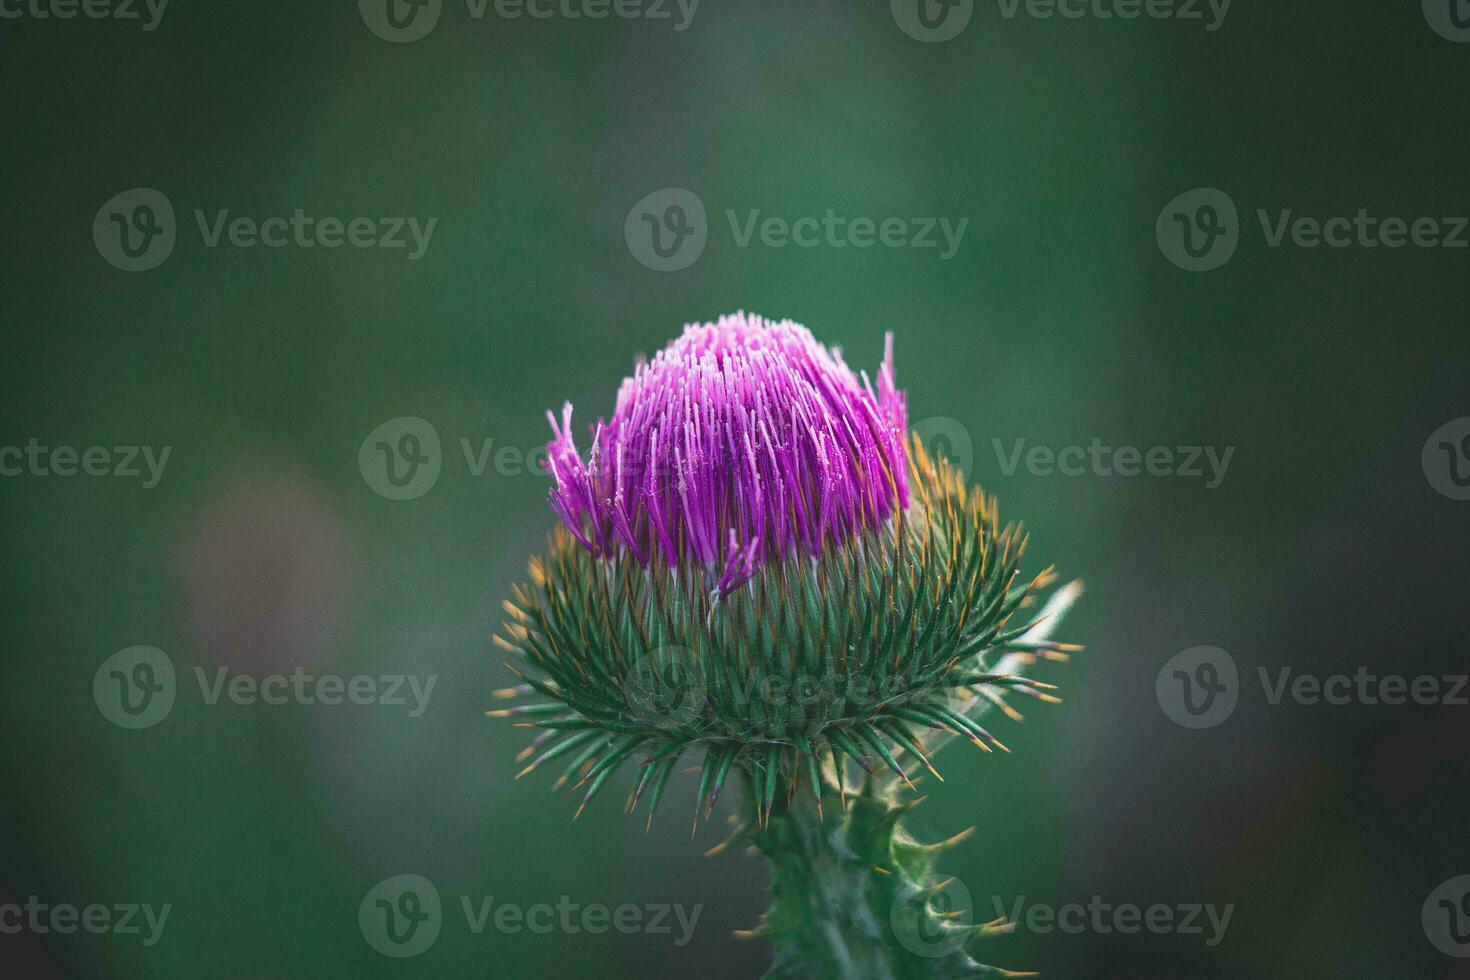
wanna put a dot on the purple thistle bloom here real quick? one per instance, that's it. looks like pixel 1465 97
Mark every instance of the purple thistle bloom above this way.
pixel 741 442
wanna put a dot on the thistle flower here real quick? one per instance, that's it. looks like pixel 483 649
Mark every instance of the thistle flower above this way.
pixel 753 565
pixel 741 443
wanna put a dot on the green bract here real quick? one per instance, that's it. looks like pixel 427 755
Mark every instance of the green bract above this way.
pixel 855 652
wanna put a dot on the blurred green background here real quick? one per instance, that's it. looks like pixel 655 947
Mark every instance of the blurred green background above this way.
pixel 263 548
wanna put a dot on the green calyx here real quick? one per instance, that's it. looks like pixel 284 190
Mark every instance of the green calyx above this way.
pixel 866 652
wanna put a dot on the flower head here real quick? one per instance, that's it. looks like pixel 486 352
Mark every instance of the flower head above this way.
pixel 741 442
pixel 754 564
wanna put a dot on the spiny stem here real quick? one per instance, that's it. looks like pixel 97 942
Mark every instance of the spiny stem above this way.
pixel 851 891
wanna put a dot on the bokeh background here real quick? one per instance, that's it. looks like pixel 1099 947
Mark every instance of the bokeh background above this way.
pixel 263 548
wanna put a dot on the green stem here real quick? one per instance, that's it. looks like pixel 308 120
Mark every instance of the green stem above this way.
pixel 853 897
pixel 820 885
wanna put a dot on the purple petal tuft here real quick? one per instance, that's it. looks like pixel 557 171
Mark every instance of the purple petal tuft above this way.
pixel 741 442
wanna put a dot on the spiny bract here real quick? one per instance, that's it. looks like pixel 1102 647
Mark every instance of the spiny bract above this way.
pixel 849 651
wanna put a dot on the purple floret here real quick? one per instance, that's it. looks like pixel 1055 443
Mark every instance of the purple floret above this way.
pixel 741 442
